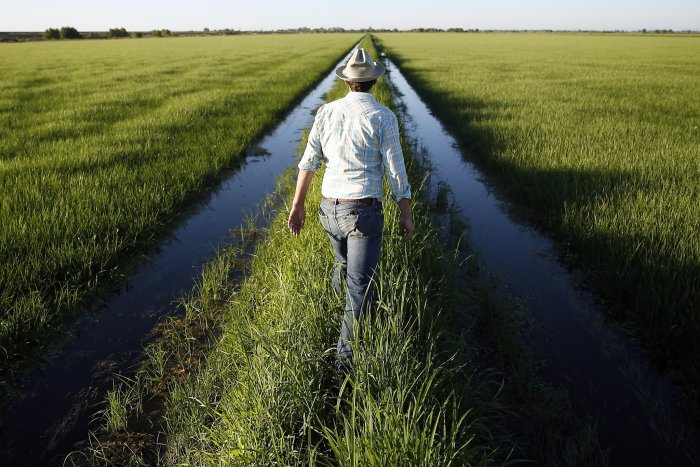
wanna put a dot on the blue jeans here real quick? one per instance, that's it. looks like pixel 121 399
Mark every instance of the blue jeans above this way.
pixel 355 231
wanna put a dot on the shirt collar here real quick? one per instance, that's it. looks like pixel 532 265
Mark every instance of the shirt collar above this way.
pixel 359 96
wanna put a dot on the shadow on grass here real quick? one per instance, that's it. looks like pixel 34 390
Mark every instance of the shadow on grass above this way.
pixel 638 271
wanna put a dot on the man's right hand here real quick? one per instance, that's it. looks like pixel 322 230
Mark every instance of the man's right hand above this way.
pixel 297 216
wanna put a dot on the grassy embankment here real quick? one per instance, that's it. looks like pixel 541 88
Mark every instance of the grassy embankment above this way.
pixel 265 394
pixel 597 137
pixel 102 143
pixel 247 377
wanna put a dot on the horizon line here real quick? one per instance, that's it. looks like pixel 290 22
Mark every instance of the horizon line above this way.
pixel 368 29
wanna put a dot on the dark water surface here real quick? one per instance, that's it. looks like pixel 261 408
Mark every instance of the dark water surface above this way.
pixel 606 377
pixel 62 397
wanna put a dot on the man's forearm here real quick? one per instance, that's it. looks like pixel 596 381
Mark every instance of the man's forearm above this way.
pixel 303 182
pixel 297 215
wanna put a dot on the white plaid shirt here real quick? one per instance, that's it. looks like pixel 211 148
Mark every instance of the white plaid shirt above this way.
pixel 358 139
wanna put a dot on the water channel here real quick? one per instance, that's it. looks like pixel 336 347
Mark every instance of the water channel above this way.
pixel 606 377
pixel 62 396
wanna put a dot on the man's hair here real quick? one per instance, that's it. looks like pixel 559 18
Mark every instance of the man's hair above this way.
pixel 361 87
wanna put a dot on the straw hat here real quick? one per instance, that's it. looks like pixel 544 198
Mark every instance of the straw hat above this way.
pixel 360 68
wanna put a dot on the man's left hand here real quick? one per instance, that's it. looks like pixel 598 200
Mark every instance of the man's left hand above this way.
pixel 406 227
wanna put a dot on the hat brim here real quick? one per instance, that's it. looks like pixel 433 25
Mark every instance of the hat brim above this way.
pixel 379 70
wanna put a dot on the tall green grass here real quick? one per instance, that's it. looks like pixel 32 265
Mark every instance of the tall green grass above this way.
pixel 265 394
pixel 247 377
pixel 102 144
pixel 597 137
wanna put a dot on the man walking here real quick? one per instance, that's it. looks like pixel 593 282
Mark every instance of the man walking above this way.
pixel 358 139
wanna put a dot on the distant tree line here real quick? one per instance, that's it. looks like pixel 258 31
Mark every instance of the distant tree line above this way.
pixel 121 32
pixel 220 32
pixel 659 31
pixel 118 32
pixel 66 32
pixel 161 33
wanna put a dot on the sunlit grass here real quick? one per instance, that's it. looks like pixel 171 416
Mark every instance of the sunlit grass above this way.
pixel 249 378
pixel 265 393
pixel 102 144
pixel 597 137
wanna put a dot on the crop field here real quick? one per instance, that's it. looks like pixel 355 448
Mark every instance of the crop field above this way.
pixel 102 143
pixel 265 388
pixel 105 144
pixel 597 137
pixel 262 390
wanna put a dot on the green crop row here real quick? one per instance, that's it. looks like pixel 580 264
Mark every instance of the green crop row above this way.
pixel 103 143
pixel 248 379
pixel 597 138
pixel 265 393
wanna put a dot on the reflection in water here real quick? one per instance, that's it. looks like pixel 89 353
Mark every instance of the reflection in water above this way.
pixel 603 372
pixel 42 428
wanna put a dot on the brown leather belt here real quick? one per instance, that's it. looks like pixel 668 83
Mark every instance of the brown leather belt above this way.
pixel 369 201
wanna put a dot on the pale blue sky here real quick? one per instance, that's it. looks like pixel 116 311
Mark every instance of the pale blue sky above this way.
pixel 92 15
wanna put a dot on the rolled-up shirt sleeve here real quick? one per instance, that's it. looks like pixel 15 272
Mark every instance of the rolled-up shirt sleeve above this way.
pixel 392 156
pixel 313 154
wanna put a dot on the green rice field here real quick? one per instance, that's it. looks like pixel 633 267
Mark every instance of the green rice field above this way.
pixel 262 390
pixel 102 143
pixel 265 393
pixel 597 137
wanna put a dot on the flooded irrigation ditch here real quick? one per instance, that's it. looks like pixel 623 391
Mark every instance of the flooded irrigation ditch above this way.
pixel 606 377
pixel 61 398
